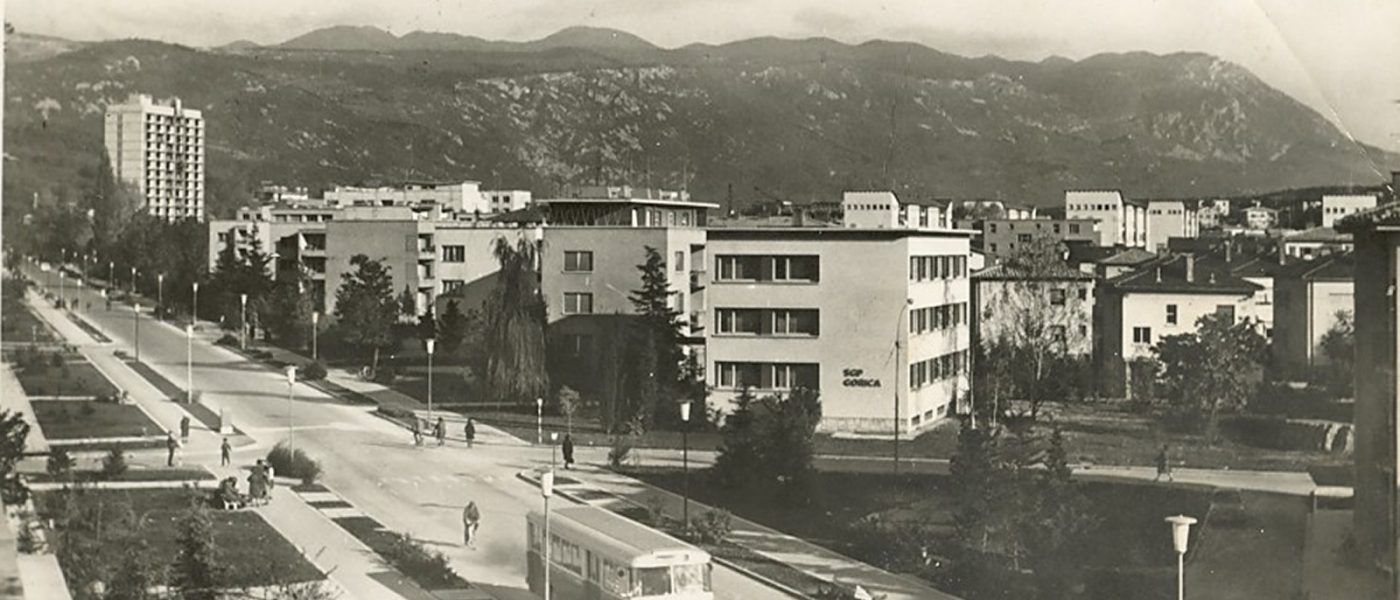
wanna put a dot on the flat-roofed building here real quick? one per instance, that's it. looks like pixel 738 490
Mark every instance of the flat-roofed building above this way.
pixel 1121 222
pixel 872 318
pixel 1001 237
pixel 1168 219
pixel 1339 206
pixel 157 147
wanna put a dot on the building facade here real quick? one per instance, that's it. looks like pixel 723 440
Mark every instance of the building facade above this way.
pixel 1002 237
pixel 1313 243
pixel 1260 217
pixel 876 320
pixel 457 197
pixel 157 148
pixel 1058 306
pixel 882 210
pixel 1167 219
pixel 1121 222
pixel 1340 206
pixel 1308 297
pixel 1160 298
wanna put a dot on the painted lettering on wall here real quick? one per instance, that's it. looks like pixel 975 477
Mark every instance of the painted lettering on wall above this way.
pixel 856 378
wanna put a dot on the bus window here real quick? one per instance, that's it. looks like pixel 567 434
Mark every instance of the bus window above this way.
pixel 691 578
pixel 654 581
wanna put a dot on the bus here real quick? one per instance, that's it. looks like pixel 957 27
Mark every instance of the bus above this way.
pixel 598 555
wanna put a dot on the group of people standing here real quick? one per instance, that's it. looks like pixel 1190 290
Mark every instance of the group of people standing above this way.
pixel 439 431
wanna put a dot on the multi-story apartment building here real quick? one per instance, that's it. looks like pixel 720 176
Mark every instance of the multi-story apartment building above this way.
pixel 973 210
pixel 1313 243
pixel 1002 237
pixel 1122 222
pixel 1163 297
pixel 875 319
pixel 157 147
pixel 1308 295
pixel 884 210
pixel 1213 213
pixel 1260 217
pixel 1167 219
pixel 1339 206
pixel 460 197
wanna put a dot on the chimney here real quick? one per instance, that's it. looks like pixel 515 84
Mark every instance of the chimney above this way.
pixel 1159 274
pixel 799 217
pixel 1190 267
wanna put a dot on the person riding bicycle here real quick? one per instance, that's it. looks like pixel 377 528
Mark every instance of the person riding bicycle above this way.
pixel 471 520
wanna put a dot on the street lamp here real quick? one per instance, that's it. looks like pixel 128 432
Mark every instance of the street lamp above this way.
pixel 553 449
pixel 243 321
pixel 546 490
pixel 685 464
pixel 62 286
pixel 136 316
pixel 160 296
pixel 539 420
pixel 291 381
pixel 1181 530
pixel 189 363
pixel 80 290
pixel 316 330
pixel 133 281
pixel 194 303
pixel 111 273
pixel 899 365
pixel 432 343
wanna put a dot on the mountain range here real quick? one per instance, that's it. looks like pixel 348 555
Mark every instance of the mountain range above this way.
pixel 756 120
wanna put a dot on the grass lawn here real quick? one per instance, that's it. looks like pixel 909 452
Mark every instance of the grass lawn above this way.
pixel 76 378
pixel 177 474
pixel 71 419
pixel 381 541
pixel 22 326
pixel 1131 537
pixel 87 327
pixel 250 549
pixel 1259 559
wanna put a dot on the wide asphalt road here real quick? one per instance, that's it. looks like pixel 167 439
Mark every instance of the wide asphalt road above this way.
pixel 372 464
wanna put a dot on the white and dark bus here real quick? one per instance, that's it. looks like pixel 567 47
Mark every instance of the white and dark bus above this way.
pixel 598 555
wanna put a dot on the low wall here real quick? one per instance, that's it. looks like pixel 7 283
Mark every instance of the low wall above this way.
pixel 1290 434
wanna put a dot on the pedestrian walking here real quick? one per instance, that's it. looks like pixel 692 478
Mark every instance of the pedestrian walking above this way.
pixel 417 431
pixel 257 486
pixel 170 446
pixel 185 428
pixel 225 453
pixel 471 520
pixel 1164 465
pixel 568 451
pixel 440 430
pixel 470 431
pixel 270 472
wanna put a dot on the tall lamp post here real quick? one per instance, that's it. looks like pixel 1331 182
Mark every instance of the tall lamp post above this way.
pixel 685 464
pixel 194 303
pixel 136 316
pixel 1181 530
pixel 546 490
pixel 62 286
pixel 432 343
pixel 160 296
pixel 291 381
pixel 316 330
pixel 80 291
pixel 539 420
pixel 111 273
pixel 899 366
pixel 189 363
pixel 133 281
pixel 243 321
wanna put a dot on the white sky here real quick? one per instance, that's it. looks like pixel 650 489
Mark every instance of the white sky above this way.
pixel 1341 57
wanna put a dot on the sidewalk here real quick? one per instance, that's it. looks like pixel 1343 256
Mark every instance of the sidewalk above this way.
pixel 797 553
pixel 13 398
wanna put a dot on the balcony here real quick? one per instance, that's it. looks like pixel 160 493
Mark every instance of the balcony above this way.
pixel 697 322
pixel 697 280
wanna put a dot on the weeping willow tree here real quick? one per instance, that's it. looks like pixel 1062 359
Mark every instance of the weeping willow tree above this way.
pixel 515 320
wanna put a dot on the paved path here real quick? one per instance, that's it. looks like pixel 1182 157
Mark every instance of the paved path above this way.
pixel 13 398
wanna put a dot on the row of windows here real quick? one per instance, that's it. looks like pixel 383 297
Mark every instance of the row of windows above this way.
pixel 578 303
pixel 799 268
pixel 944 316
pixel 454 254
pixel 938 368
pixel 1093 207
pixel 1173 314
pixel 767 321
pixel 922 268
pixel 868 207
pixel 1054 227
pixel 1339 210
pixel 581 261
pixel 767 376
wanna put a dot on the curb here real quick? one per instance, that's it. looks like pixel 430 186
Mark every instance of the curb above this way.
pixel 763 579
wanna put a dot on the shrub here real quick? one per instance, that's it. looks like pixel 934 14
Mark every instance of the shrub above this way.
pixel 60 463
pixel 428 568
pixel 227 339
pixel 56 360
pixel 396 412
pixel 114 464
pixel 313 372
pixel 386 375
pixel 620 451
pixel 712 527
pixel 294 463
pixel 655 506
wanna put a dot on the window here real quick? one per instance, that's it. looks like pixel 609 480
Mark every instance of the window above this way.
pixel 680 261
pixel 994 248
pixel 767 268
pixel 767 376
pixel 1024 238
pixel 1227 311
pixel 738 321
pixel 994 227
pixel 1142 335
pixel 1171 314
pixel 578 261
pixel 452 285
pixel 454 254
pixel 1057 297
pixel 578 303
pixel 1057 333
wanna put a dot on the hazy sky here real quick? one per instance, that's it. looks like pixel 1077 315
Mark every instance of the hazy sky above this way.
pixel 1342 57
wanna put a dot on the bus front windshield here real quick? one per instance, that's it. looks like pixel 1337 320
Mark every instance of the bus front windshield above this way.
pixel 654 581
pixel 691 578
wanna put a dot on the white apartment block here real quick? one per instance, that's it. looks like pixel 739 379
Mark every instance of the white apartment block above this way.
pixel 1167 219
pixel 1121 222
pixel 1337 207
pixel 157 148
pixel 461 197
pixel 883 210
pixel 874 319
